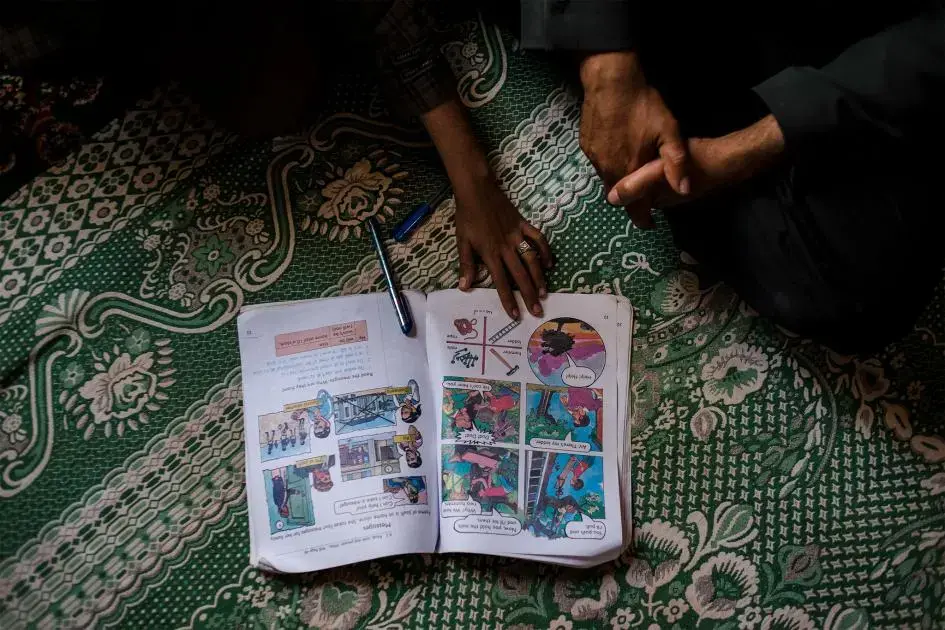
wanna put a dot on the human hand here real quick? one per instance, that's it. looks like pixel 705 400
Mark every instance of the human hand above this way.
pixel 625 124
pixel 714 163
pixel 489 226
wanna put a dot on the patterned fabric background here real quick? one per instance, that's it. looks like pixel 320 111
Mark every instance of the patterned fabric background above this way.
pixel 777 485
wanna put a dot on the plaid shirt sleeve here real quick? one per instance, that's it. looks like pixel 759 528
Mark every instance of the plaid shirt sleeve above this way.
pixel 414 74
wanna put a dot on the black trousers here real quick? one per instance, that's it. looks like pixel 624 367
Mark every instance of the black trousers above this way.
pixel 845 247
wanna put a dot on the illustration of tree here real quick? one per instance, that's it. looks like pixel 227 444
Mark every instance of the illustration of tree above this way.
pixel 592 504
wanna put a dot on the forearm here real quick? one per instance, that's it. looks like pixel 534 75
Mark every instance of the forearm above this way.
pixel 749 151
pixel 463 157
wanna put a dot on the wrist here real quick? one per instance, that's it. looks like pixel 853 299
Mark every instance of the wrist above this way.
pixel 465 162
pixel 611 68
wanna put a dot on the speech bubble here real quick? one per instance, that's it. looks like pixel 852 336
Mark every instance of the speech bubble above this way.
pixel 576 375
pixel 475 437
pixel 369 503
pixel 482 387
pixel 491 523
pixel 586 528
pixel 567 444
pixel 468 507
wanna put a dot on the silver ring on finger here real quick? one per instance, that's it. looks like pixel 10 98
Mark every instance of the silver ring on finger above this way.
pixel 523 248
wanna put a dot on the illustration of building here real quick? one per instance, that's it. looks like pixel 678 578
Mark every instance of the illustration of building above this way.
pixel 368 456
pixel 362 407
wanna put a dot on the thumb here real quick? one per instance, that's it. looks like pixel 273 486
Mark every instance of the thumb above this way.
pixel 637 184
pixel 675 161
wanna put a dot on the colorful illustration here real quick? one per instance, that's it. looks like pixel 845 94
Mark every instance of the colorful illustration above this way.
pixel 410 489
pixel 376 408
pixel 555 413
pixel 409 444
pixel 478 405
pixel 566 351
pixel 288 499
pixel 368 456
pixel 562 488
pixel 320 470
pixel 487 474
pixel 290 432
pixel 478 341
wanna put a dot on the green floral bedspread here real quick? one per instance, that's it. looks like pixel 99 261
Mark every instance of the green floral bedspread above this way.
pixel 777 485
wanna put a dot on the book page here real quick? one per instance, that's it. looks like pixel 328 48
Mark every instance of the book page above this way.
pixel 624 322
pixel 339 442
pixel 528 420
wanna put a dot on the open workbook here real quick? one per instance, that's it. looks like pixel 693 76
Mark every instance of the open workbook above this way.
pixel 477 434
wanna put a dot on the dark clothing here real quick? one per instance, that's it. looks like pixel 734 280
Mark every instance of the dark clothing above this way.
pixel 844 242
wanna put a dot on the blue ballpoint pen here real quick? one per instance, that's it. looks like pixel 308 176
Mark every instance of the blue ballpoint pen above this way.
pixel 400 304
pixel 420 214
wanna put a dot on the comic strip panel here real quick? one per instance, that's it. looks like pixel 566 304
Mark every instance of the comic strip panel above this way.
pixel 290 432
pixel 564 495
pixel 564 418
pixel 368 456
pixel 566 351
pixel 479 411
pixel 484 476
pixel 394 492
pixel 376 408
pixel 288 499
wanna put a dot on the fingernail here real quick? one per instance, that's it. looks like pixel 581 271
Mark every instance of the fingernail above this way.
pixel 542 293
pixel 515 313
pixel 684 185
pixel 536 310
pixel 463 283
pixel 612 197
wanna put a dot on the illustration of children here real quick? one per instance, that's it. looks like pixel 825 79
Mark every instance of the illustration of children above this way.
pixel 303 430
pixel 575 467
pixel 270 441
pixel 411 448
pixel 486 485
pixel 284 435
pixel 584 407
pixel 481 411
pixel 281 493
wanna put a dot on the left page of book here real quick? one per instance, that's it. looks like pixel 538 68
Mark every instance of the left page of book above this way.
pixel 339 445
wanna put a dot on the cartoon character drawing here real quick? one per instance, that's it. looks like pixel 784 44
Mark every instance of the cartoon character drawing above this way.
pixel 288 497
pixel 487 475
pixel 410 447
pixel 410 407
pixel 289 433
pixel 562 488
pixel 413 489
pixel 558 412
pixel 494 411
pixel 320 470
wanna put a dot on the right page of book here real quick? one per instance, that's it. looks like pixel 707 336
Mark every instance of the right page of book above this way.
pixel 528 424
